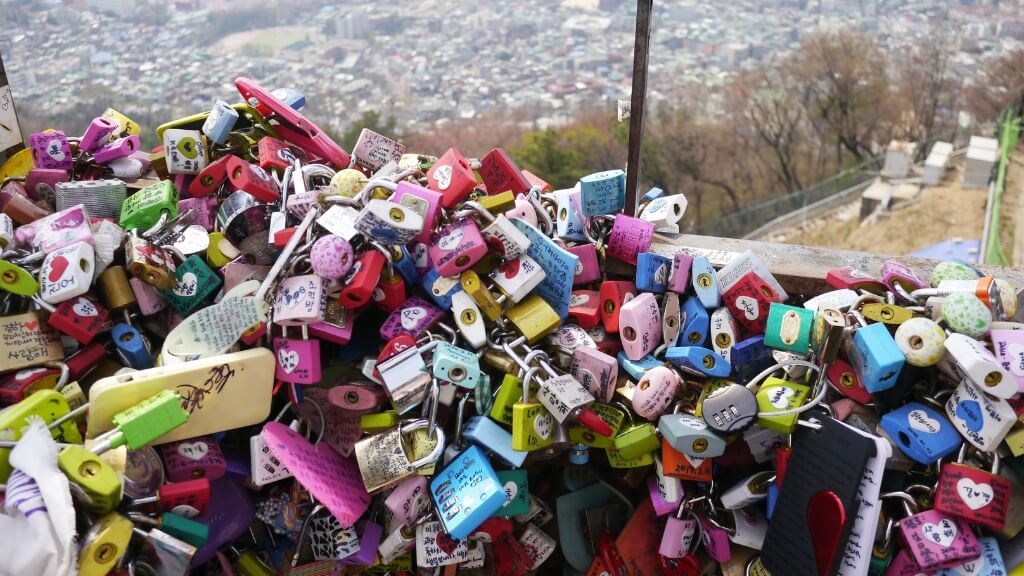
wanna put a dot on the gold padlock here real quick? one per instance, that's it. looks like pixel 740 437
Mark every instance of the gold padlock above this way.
pixel 886 313
pixel 114 287
pixel 382 458
pixel 534 318
pixel 149 263
pixel 483 297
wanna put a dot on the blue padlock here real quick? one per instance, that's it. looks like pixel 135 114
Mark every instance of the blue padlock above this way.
pixel 876 358
pixel 773 497
pixel 603 193
pixel 698 360
pixel 652 272
pixel 487 434
pixel 131 346
pixel 696 323
pixel 921 432
pixel 705 282
pixel 466 493
pixel 750 357
pixel 456 365
pixel 636 368
pixel 404 264
pixel 439 289
pixel 652 194
pixel 220 121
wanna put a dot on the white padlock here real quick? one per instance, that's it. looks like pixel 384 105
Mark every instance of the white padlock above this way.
pixel 980 366
pixel 839 299
pixel 469 319
pixel 665 212
pixel 502 235
pixel 518 277
pixel 750 490
pixel 669 487
pixel 67 273
pixel 568 218
pixel 389 222
pixel 724 332
pixel 671 319
pixel 185 151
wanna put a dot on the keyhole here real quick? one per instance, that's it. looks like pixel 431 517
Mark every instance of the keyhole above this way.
pixel 629 333
pixel 127 337
pixel 10 277
pixel 645 384
pixel 694 337
pixel 704 280
pixel 352 397
pixel 457 374
pixel 993 379
pixel 609 306
pixel 563 214
pixel 89 469
pixel 709 361
pixel 105 553
pixel 237 173
pixel 723 340
pixel 916 342
pixel 462 260
pixel 846 379
pixel 83 264
pixel 766 292
pixel 207 180
pixel 700 445
pixel 671 321
pixel 468 317
pixel 396 214
pixel 887 313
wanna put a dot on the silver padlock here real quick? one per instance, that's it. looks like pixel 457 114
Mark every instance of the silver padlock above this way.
pixel 405 377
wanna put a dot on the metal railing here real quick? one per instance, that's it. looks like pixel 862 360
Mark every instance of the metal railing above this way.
pixel 992 248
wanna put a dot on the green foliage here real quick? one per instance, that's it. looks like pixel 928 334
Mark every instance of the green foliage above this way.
pixel 374 121
pixel 543 152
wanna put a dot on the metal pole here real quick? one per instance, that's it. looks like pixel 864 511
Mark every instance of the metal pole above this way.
pixel 637 99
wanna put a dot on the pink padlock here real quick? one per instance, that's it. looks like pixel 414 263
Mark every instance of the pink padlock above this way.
pixel 629 237
pixel 239 270
pixel 58 230
pixel 597 371
pixel 97 134
pixel 413 317
pixel 118 149
pixel 1008 346
pixel 423 201
pixel 640 326
pixel 147 297
pixel 205 210
pixel 300 300
pixel 894 273
pixel 357 397
pixel 298 361
pixel 715 539
pixel 456 248
pixel 331 257
pixel 199 457
pixel 587 268
pixel 903 565
pixel 523 211
pixel 51 150
pixel 337 323
pixel 41 184
pixel 677 539
pixel 937 540
pixel 655 391
pixel 679 277
pixel 661 506
pixel 409 500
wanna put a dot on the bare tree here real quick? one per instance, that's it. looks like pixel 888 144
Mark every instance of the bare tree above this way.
pixel 1001 84
pixel 926 89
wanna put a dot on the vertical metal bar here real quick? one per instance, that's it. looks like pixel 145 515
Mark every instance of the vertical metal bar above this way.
pixel 638 97
pixel 11 139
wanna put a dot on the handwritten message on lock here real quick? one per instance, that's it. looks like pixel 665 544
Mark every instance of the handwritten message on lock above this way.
pixel 27 341
pixel 333 480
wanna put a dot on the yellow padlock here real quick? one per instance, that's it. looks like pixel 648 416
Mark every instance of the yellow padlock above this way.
pixel 220 251
pixel 104 545
pixel 480 294
pixel 498 203
pixel 534 318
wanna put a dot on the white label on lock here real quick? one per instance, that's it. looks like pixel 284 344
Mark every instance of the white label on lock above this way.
pixel 543 425
pixel 920 421
pixel 340 221
pixel 780 397
pixel 443 176
pixel 434 547
pixel 976 496
pixel 85 308
pixel 193 450
pixel 750 308
pixel 264 466
pixel 288 359
pixel 451 240
pixel 942 533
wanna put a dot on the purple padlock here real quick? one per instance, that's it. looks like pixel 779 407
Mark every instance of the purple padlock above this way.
pixel 423 201
pixel 301 300
pixel 97 134
pixel 640 326
pixel 894 273
pixel 677 539
pixel 119 149
pixel 204 208
pixel 199 457
pixel 937 540
pixel 629 236
pixel 337 323
pixel 597 371
pixel 587 267
pixel 51 150
pixel 661 505
pixel 230 514
pixel 370 534
pixel 147 297
pixel 679 277
pixel 456 248
pixel 655 391
pixel 409 500
pixel 298 361
pixel 716 540
pixel 413 317
pixel 41 184
pixel 331 257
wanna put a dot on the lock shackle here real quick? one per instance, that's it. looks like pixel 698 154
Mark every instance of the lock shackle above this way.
pixel 864 299
pixel 316 175
pixel 527 378
pixel 906 500
pixel 65 373
pixel 471 207
pixel 626 411
pixel 547 225
pixel 372 184
pixel 305 532
pixel 282 184
pixel 523 365
pixel 755 385
pixel 286 253
pixel 598 228
pixel 433 398
pixel 323 418
pixel 993 456
pixel 37 299
pixel 435 454
pixel 452 334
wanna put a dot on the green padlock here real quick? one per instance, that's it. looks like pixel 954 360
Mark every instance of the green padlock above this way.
pixel 94 475
pixel 637 440
pixel 49 405
pixel 378 422
pixel 611 415
pixel 616 460
pixel 143 209
pixel 17 280
pixel 182 528
pixel 517 493
pixel 143 423
pixel 509 393
pixel 789 328
pixel 776 395
pixel 196 281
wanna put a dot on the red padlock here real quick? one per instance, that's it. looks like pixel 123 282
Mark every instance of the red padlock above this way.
pixel 15 386
pixel 393 346
pixel 844 379
pixel 85 360
pixel 210 178
pixel 390 293
pixel 501 174
pixel 748 300
pixel 80 317
pixel 362 279
pixel 453 177
pixel 585 307
pixel 275 154
pixel 854 279
pixel 252 179
pixel 973 494
pixel 189 499
pixel 613 294
pixel 688 565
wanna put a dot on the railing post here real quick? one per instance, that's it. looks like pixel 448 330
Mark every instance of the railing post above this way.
pixel 638 97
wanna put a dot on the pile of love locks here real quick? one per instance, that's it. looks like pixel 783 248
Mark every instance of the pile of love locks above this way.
pixel 251 352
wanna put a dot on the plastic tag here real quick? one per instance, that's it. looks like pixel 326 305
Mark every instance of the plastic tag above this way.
pixel 214 329
pixel 559 267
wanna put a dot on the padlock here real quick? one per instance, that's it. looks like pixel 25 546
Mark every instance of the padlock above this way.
pixel 875 357
pixel 982 419
pixel 219 122
pixel 533 318
pixel 194 458
pixel 518 277
pixel 990 563
pixel 97 134
pixel 483 432
pixel 629 237
pixel 639 320
pixel 456 247
pixel 66 273
pixel 789 328
pixel 936 540
pixel 690 435
pixel 372 150
pixel 886 313
pixel 453 177
pixel 532 425
pixel 298 360
pixel 93 475
pixel 723 332
pixel 636 440
pixel 301 300
pixel 777 395
pixel 389 222
pixel 587 267
pixel 190 498
pixel 184 529
pixel 429 201
pixel 466 493
pixel 612 416
pixel 920 432
pixel 665 212
pixel 684 466
pixel 655 392
pixel 696 324
pixel 382 458
pixel 51 150
pixel 975 495
pixel 277 155
pixel 843 378
pixel 921 341
pixel 679 274
pixel 698 361
pixel 149 263
pixel 468 319
pixel 896 275
pixel 980 366
pixel 195 282
pixel 104 544
pixel 251 179
pixel 137 425
pixel 187 151
pixel 568 401
pixel 705 282
pixel 15 203
pixel 680 537
pixel 144 208
pixel 652 272
pixel 569 220
pixel 211 178
pixel 414 316
pixel 964 313
pixel 81 318
pixel 596 371
pixel 672 319
pixel 750 490
pixel 456 365
pixel 362 279
pixel 730 409
pixel 749 300
pixel 441 289
pixel 16 386
pixel 613 295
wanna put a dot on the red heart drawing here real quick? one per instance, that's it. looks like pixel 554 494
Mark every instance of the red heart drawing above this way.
pixel 445 542
pixel 31 325
pixel 511 268
pixel 57 267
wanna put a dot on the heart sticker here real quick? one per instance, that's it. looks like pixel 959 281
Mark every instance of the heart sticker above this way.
pixel 85 308
pixel 779 397
pixel 411 317
pixel 511 490
pixel 57 267
pixel 289 360
pixel 54 150
pixel 511 268
pixel 749 306
pixel 976 496
pixel 193 450
pixel 331 479
pixel 579 299
pixel 942 533
pixel 1015 355
pixel 970 412
pixel 445 542
pixel 543 424
pixel 187 286
pixel 443 176
pixel 920 421
pixel 31 325
pixel 451 240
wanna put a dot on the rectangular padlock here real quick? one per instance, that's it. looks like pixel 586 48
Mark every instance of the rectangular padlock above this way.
pixel 413 317
pixel 978 496
pixel 186 150
pixel 875 357
pixel 569 221
pixel 705 282
pixel 406 192
pixel 1008 347
pixel 585 308
pixel 66 273
pixel 143 209
pixel 982 419
pixel 603 193
pixel 362 279
pixel 389 222
pixel 920 432
pixel 81 318
pixel 252 179
pixel 457 247
pixel 980 366
pixel 16 386
pixel 500 173
pixel 97 134
pixel 749 300
pixel 629 237
pixel 776 395
pixel 195 282
pixel 518 277
pixel 199 457
pixel 373 151
pixel 298 360
pixel 456 365
pixel 665 212
pixel 300 300
pixel 51 150
pixel 534 318
pixel 219 122
pixel 936 540
pixel 789 328
pixel 652 272
pixel 452 176
pixel 587 267
pixel 614 294
pixel 102 198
